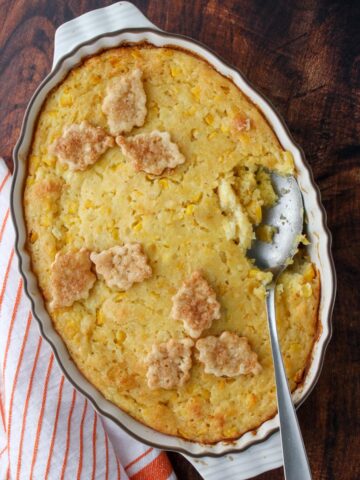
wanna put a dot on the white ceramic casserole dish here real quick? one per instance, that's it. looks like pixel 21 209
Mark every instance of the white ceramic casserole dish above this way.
pixel 90 39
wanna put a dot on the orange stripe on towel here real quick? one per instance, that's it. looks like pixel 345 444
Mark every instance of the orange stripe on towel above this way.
pixel 139 458
pixel 13 316
pixel 160 468
pixel 68 435
pixel 106 456
pixel 41 416
pixel 3 225
pixel 94 448
pixel 4 181
pixel 16 376
pixel 6 276
pixel 53 436
pixel 31 381
pixel 78 476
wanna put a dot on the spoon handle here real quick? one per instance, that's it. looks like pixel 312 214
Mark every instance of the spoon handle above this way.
pixel 296 464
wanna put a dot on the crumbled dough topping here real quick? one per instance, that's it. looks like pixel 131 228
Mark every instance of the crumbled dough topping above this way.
pixel 228 355
pixel 122 266
pixel 151 152
pixel 81 145
pixel 71 278
pixel 196 305
pixel 169 364
pixel 125 103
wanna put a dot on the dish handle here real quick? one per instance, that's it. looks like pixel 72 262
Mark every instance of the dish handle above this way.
pixel 118 16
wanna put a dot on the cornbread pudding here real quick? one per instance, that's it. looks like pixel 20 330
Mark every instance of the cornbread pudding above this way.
pixel 139 247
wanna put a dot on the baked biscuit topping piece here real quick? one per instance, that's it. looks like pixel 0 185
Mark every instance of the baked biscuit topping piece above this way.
pixel 196 305
pixel 121 266
pixel 125 103
pixel 151 152
pixel 169 364
pixel 81 145
pixel 71 278
pixel 228 355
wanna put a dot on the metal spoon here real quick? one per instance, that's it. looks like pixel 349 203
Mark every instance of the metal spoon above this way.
pixel 287 218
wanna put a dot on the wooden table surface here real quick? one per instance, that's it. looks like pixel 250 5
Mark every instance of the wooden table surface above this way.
pixel 302 56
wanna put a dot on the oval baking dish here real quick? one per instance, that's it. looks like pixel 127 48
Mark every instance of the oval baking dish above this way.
pixel 319 250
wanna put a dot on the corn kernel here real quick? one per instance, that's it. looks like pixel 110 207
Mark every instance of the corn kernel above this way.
pixel 49 161
pixel 68 238
pixel 71 328
pixel 115 233
pixel 99 318
pixel 258 213
pixel 175 71
pixel 190 112
pixel 33 236
pixel 211 135
pixel 244 138
pixel 265 233
pixel 194 133
pixel 197 197
pixel 196 92
pixel 164 183
pixel 304 240
pixel 309 274
pixel 136 54
pixel 253 272
pixel 46 221
pixel 88 204
pixel 289 159
pixel 209 119
pixel 119 297
pixel 231 432
pixel 224 128
pixel 66 100
pixel 120 337
pixel 30 181
pixel 190 209
pixel 73 207
pixel 307 290
pixel 137 227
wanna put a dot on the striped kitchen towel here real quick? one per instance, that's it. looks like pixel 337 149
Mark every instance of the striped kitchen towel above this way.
pixel 47 429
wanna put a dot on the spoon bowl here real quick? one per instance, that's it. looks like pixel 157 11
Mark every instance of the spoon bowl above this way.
pixel 287 217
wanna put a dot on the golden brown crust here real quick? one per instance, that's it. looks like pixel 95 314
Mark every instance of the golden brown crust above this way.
pixel 48 188
pixel 196 305
pixel 81 145
pixel 122 266
pixel 125 102
pixel 151 152
pixel 227 355
pixel 169 364
pixel 71 278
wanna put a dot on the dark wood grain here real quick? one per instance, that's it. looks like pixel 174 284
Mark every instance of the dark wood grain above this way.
pixel 302 55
